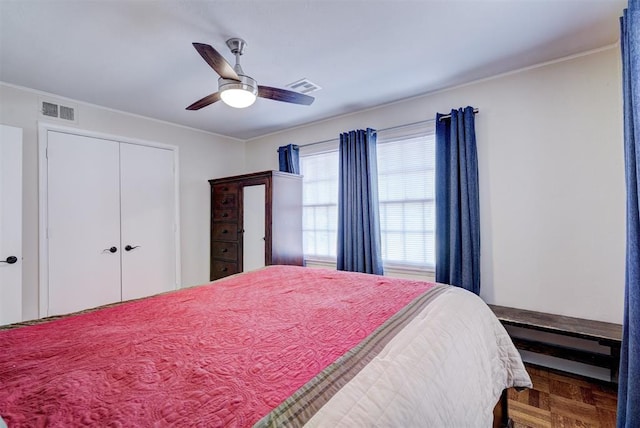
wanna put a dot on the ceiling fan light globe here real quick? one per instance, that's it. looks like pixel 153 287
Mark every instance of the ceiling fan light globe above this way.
pixel 238 98
pixel 238 93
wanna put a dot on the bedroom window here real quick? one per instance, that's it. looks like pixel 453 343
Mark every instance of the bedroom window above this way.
pixel 406 189
pixel 320 204
pixel 406 174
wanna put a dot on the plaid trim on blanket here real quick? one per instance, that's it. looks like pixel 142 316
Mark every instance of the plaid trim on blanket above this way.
pixel 304 403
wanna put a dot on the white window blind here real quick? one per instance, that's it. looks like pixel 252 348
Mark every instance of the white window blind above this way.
pixel 406 188
pixel 406 174
pixel 320 204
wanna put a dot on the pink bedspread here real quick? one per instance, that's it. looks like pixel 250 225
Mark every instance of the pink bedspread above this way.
pixel 222 354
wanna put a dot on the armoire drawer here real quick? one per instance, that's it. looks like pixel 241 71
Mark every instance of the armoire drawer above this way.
pixel 224 250
pixel 225 196
pixel 224 232
pixel 222 214
pixel 220 269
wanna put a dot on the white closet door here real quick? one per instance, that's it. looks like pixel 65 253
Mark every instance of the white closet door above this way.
pixel 10 224
pixel 253 242
pixel 83 222
pixel 148 221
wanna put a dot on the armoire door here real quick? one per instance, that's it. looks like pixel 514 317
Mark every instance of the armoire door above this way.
pixel 148 220
pixel 253 218
pixel 83 211
pixel 10 224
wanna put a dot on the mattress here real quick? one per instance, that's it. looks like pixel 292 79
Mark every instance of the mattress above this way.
pixel 282 346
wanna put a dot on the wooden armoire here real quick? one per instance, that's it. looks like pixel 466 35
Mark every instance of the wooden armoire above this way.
pixel 256 220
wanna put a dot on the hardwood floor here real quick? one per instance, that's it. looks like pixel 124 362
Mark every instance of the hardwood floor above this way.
pixel 563 400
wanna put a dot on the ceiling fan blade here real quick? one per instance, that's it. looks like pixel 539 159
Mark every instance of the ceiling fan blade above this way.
pixel 216 61
pixel 208 100
pixel 284 95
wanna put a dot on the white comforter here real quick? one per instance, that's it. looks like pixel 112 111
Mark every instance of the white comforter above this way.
pixel 426 376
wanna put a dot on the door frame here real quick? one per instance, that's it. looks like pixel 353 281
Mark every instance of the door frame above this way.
pixel 43 207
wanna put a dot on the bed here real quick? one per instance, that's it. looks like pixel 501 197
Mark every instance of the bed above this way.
pixel 281 346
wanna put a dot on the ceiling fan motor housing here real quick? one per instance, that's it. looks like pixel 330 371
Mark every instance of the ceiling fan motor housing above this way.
pixel 246 83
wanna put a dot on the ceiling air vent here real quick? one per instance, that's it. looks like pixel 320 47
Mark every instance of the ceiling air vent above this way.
pixel 49 109
pixel 66 113
pixel 304 86
pixel 52 109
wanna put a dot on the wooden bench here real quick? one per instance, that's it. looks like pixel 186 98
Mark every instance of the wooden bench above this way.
pixel 606 334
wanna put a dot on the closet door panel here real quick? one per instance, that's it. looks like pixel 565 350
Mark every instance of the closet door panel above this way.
pixel 83 222
pixel 10 224
pixel 148 220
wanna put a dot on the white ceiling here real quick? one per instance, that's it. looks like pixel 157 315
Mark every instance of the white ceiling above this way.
pixel 136 56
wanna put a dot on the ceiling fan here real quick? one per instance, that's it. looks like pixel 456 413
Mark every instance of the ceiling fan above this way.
pixel 235 88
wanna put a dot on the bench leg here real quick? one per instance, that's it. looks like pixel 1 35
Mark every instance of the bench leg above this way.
pixel 615 364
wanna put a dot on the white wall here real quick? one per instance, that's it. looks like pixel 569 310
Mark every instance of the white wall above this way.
pixel 552 195
pixel 551 179
pixel 202 156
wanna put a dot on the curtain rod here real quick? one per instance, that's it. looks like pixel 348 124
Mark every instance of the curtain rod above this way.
pixel 448 116
pixel 445 116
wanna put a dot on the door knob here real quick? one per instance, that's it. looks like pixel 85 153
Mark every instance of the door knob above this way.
pixel 129 247
pixel 11 260
pixel 111 250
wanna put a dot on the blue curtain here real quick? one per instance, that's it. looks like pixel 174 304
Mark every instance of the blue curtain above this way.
pixel 358 212
pixel 629 386
pixel 289 158
pixel 457 201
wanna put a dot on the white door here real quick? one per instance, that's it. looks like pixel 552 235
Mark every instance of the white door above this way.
pixel 148 220
pixel 83 222
pixel 253 201
pixel 10 224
